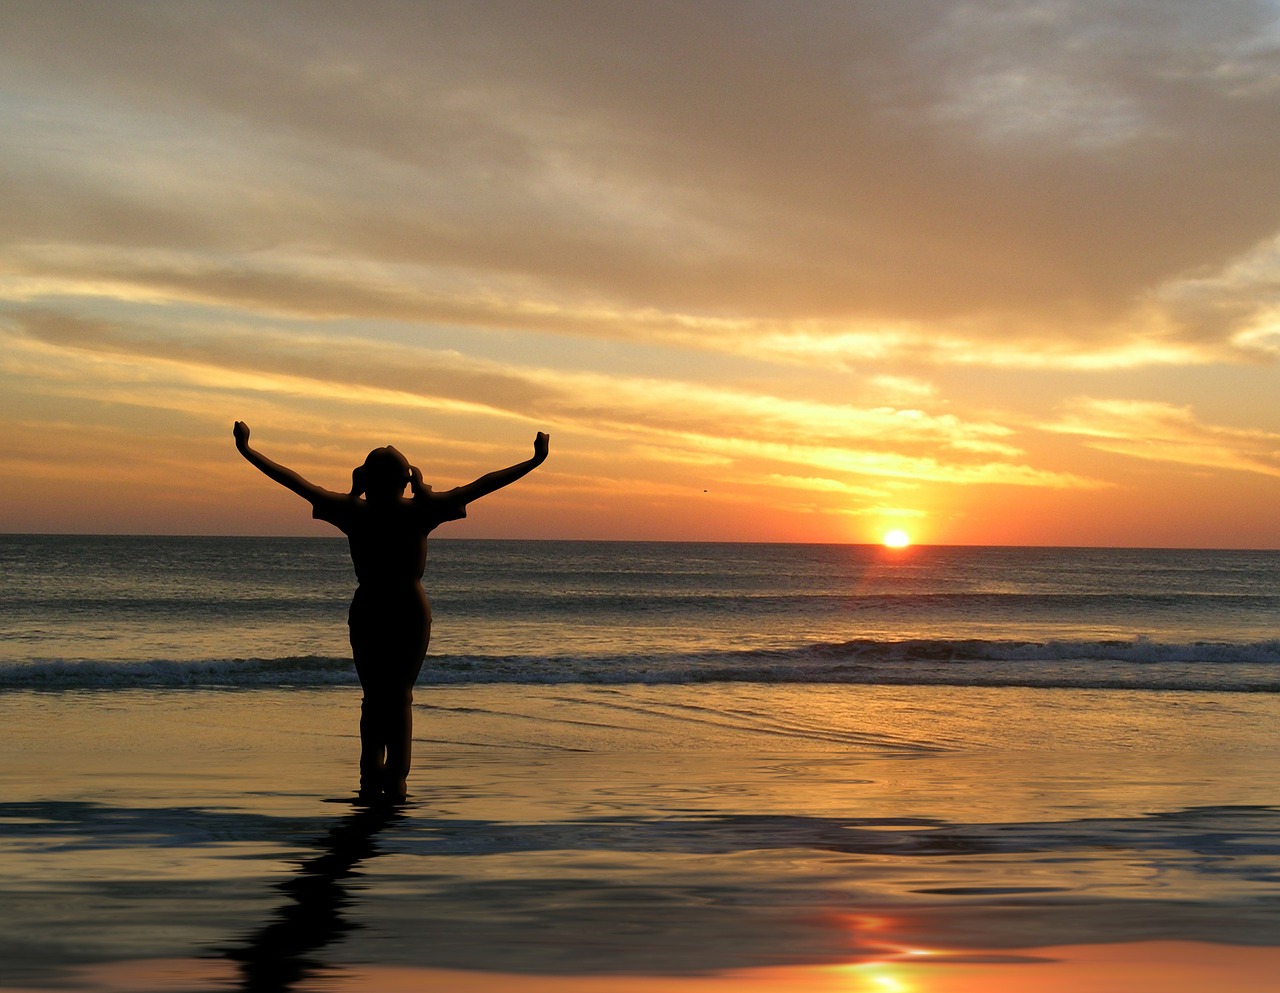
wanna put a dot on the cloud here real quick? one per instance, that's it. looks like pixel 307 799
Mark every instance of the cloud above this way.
pixel 691 421
pixel 1164 432
pixel 821 254
pixel 1239 303
pixel 982 183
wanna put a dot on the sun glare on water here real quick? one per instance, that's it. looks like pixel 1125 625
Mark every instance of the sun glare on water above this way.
pixel 896 539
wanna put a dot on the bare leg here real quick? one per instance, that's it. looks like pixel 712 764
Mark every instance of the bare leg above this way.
pixel 372 748
pixel 399 738
pixel 388 640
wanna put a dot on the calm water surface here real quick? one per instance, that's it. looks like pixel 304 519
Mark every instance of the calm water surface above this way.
pixel 113 611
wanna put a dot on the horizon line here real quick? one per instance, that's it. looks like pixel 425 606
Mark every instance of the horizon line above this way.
pixel 651 541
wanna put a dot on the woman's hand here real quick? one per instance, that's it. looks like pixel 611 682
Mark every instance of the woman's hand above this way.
pixel 499 478
pixel 416 486
pixel 241 432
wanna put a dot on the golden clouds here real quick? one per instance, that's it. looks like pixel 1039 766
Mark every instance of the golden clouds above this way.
pixel 1165 432
pixel 1027 180
pixel 667 419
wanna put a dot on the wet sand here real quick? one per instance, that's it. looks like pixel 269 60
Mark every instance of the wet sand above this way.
pixel 644 838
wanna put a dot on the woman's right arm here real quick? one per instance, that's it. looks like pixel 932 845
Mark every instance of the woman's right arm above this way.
pixel 274 470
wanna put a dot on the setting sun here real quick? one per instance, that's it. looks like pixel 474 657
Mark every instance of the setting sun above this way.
pixel 896 538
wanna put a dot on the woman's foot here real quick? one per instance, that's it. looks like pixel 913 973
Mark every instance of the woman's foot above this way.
pixel 368 797
pixel 396 791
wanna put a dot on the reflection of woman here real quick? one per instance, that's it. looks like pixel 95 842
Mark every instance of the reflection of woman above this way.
pixel 281 955
pixel 390 619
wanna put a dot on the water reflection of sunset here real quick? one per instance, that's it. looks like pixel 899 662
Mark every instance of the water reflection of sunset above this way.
pixel 1144 967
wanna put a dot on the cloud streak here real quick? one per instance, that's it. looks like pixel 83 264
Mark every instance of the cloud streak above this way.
pixel 1164 432
pixel 719 423
pixel 1011 173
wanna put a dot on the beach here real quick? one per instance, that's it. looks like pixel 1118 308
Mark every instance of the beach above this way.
pixel 709 837
pixel 815 466
pixel 644 767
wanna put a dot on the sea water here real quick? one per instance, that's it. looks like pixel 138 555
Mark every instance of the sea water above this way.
pixel 103 612
pixel 660 759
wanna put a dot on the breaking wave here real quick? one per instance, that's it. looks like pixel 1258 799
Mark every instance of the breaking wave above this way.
pixel 1114 664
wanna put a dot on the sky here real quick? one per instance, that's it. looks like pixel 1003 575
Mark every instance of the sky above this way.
pixel 989 273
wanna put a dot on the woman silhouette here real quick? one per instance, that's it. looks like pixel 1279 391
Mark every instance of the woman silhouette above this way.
pixel 390 619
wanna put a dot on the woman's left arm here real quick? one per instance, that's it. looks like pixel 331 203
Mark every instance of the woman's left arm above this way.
pixel 499 478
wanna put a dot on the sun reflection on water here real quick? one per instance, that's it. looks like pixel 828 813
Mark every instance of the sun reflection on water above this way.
pixel 881 970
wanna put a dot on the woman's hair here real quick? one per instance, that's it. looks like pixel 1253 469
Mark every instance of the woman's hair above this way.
pixel 385 470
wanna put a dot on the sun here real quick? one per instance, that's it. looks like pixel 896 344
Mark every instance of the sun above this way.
pixel 897 538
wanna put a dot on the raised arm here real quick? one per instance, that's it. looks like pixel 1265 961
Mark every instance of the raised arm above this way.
pixel 274 470
pixel 499 478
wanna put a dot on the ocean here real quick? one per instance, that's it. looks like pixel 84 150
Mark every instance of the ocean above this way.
pixel 644 767
pixel 81 612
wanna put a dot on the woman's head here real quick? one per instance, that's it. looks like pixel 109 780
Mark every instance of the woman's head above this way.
pixel 385 473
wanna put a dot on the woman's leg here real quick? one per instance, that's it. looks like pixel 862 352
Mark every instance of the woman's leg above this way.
pixel 388 646
pixel 373 743
pixel 397 714
pixel 373 747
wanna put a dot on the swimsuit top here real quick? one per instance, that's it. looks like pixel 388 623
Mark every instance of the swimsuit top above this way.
pixel 388 541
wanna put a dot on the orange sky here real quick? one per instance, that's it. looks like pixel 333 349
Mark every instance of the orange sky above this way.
pixel 986 272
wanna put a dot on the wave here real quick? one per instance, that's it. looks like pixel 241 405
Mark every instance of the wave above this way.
pixel 1114 664
pixel 69 674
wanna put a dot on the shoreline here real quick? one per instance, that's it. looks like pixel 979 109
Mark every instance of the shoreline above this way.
pixel 871 718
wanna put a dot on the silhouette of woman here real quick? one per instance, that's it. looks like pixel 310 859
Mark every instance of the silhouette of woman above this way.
pixel 390 619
